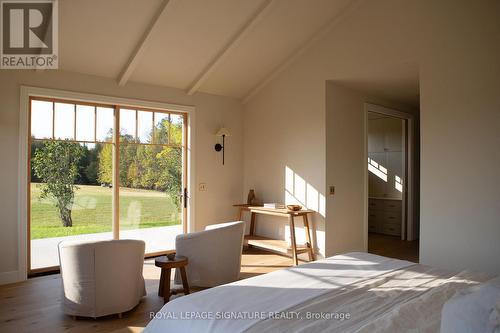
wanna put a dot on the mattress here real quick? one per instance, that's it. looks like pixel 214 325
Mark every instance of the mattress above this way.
pixel 353 292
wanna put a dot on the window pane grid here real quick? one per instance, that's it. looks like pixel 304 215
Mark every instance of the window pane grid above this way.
pixel 67 127
pixel 85 118
pixel 104 124
pixel 53 120
pixel 64 121
pixel 95 123
pixel 74 122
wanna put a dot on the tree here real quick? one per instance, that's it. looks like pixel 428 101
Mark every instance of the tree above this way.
pixel 88 165
pixel 151 167
pixel 170 176
pixel 91 172
pixel 128 152
pixel 106 164
pixel 35 145
pixel 57 165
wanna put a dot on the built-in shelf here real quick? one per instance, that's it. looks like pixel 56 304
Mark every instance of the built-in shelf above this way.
pixel 274 245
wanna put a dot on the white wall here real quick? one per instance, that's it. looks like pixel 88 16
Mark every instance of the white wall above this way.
pixel 460 123
pixel 224 183
pixel 345 169
pixel 455 44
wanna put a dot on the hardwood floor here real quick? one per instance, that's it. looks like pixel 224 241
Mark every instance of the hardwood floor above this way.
pixel 34 305
pixel 393 247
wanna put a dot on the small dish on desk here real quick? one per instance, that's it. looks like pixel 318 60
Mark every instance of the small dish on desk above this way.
pixel 171 256
pixel 294 207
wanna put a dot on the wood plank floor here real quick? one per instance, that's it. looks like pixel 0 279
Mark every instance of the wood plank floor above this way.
pixel 34 305
pixel 393 247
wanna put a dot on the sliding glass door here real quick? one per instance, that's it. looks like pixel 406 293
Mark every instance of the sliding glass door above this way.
pixel 151 177
pixel 90 181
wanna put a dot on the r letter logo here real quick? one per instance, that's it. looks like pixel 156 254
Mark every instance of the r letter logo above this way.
pixel 29 34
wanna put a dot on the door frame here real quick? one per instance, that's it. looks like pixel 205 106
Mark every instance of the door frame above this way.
pixel 26 92
pixel 408 229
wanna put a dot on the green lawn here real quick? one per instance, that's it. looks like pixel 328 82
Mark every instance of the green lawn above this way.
pixel 92 211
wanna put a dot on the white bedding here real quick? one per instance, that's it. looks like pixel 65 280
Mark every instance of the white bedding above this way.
pixel 248 302
pixel 378 294
pixel 407 300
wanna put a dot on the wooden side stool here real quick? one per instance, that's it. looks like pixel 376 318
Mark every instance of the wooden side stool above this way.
pixel 166 266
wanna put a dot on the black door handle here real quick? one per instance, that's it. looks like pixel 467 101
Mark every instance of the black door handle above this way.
pixel 185 197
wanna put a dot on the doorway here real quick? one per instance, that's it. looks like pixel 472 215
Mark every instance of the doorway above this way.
pixel 102 171
pixel 391 224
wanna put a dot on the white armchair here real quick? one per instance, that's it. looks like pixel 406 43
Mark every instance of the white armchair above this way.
pixel 214 254
pixel 101 278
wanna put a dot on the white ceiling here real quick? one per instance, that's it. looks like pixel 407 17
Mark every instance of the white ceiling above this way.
pixel 97 37
pixel 224 47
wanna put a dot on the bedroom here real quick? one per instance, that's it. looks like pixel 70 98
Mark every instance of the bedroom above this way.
pixel 292 107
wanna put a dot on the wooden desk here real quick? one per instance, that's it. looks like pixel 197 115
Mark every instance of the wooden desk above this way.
pixel 277 245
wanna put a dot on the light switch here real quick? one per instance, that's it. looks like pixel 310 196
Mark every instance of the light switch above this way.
pixel 332 190
pixel 202 187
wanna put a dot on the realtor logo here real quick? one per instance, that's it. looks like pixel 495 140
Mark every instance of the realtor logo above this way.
pixel 29 34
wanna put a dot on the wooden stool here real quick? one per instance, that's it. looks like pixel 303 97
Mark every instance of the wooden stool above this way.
pixel 166 266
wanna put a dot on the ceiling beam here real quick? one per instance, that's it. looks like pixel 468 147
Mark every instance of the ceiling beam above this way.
pixel 231 45
pixel 142 44
pixel 301 49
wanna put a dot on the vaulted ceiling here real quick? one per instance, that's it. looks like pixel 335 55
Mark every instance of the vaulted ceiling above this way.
pixel 224 47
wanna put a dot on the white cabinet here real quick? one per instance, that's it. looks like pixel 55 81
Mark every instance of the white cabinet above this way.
pixel 385 134
pixel 384 216
pixel 376 135
pixel 385 176
pixel 394 162
pixel 385 157
pixel 377 179
pixel 393 134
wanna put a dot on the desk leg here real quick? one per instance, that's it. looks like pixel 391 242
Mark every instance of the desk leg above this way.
pixel 252 223
pixel 252 226
pixel 240 215
pixel 291 223
pixel 308 238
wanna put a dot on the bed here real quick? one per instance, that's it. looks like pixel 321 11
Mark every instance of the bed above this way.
pixel 353 292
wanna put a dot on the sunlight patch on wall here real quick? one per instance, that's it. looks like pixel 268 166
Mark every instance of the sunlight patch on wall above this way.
pixel 312 198
pixel 398 183
pixel 298 191
pixel 377 169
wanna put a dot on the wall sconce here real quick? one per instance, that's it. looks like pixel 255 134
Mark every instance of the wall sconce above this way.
pixel 218 147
